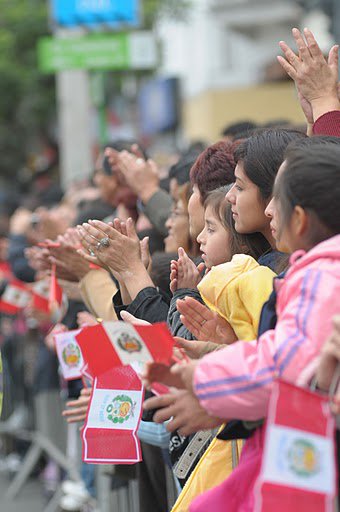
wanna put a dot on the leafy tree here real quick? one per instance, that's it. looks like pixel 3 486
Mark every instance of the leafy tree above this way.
pixel 27 98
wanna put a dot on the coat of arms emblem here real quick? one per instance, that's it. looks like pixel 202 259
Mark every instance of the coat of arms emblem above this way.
pixel 120 409
pixel 129 343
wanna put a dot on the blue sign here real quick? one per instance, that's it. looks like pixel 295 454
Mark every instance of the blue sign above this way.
pixel 158 103
pixel 92 13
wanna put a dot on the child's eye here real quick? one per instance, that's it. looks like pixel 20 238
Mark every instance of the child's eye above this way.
pixel 238 187
pixel 210 230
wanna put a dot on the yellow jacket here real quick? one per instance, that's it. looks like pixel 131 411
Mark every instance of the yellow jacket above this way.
pixel 237 291
pixel 97 290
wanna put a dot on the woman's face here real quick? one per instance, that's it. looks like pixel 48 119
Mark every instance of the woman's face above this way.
pixel 196 213
pixel 247 205
pixel 178 229
pixel 214 240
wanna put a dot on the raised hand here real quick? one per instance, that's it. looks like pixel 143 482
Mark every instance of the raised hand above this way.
pixel 315 77
pixel 203 323
pixel 120 253
pixel 188 274
pixel 141 175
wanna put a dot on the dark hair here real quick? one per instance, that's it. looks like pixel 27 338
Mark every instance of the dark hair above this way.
pixel 160 270
pixel 181 170
pixel 242 127
pixel 311 179
pixel 254 244
pixel 262 154
pixel 213 168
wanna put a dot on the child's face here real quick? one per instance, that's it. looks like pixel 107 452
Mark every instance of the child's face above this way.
pixel 280 230
pixel 214 240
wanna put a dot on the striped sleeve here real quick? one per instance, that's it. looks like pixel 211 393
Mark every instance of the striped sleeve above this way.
pixel 236 382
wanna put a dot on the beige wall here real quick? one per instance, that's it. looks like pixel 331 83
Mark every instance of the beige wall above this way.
pixel 205 115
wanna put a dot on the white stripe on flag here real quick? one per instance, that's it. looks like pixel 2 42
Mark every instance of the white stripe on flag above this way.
pixel 69 354
pixel 114 409
pixel 16 296
pixel 300 459
pixel 127 342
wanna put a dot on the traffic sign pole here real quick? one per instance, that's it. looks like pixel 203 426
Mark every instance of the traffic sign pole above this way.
pixel 74 115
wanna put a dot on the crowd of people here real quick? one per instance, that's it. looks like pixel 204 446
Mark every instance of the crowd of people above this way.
pixel 237 250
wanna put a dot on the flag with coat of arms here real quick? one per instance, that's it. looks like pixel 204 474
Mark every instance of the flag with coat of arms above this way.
pixel 110 432
pixel 69 354
pixel 111 344
pixel 298 470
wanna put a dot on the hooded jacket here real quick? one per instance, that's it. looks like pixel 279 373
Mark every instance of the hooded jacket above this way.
pixel 236 382
pixel 237 290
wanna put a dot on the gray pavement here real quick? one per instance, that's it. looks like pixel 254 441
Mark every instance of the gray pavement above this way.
pixel 30 498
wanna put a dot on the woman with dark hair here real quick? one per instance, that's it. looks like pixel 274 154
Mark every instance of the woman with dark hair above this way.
pixel 258 160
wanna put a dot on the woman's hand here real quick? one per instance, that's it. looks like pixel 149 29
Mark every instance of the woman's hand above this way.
pixel 49 338
pixel 187 415
pixel 122 252
pixel 203 323
pixel 77 409
pixel 316 79
pixel 130 319
pixel 85 319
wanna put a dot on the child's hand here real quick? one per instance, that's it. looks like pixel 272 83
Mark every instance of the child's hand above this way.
pixel 330 357
pixel 188 275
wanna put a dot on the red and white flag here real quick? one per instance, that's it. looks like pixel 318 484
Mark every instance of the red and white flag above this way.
pixel 112 344
pixel 110 431
pixel 57 300
pixel 298 470
pixel 16 297
pixel 69 354
pixel 40 295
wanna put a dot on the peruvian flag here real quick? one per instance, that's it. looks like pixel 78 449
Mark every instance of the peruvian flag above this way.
pixel 112 344
pixel 57 302
pixel 40 294
pixel 110 431
pixel 298 467
pixel 69 354
pixel 16 297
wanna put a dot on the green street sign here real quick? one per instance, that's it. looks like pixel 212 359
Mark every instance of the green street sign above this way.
pixel 119 51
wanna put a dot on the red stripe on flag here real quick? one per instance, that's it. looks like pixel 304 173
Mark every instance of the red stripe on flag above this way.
pixel 279 498
pixel 56 292
pixel 97 350
pixel 311 418
pixel 159 341
pixel 111 446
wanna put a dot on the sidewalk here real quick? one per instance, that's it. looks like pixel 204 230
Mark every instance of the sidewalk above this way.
pixel 30 498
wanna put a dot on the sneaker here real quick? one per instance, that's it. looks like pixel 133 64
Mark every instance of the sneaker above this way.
pixel 71 503
pixel 76 489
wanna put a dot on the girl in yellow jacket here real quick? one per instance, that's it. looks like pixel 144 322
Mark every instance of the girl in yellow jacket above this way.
pixel 235 286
